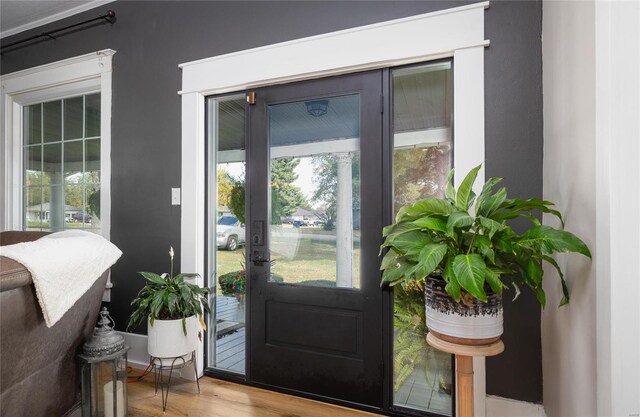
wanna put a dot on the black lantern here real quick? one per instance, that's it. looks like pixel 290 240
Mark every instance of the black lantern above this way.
pixel 104 371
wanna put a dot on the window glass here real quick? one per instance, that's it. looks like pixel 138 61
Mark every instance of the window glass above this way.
pixel 33 124
pixel 73 118
pixel 315 192
pixel 227 232
pixel 422 115
pixel 92 115
pixel 52 121
pixel 61 181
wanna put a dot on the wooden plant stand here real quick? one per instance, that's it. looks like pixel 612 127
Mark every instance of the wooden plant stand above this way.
pixel 464 368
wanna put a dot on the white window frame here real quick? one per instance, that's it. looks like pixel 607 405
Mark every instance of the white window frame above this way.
pixel 85 74
pixel 457 32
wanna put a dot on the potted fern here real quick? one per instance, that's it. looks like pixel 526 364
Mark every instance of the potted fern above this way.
pixel 173 309
pixel 463 249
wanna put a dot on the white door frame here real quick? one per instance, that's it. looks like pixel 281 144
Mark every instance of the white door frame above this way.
pixel 456 32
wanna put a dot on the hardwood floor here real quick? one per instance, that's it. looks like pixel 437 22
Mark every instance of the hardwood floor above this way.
pixel 225 399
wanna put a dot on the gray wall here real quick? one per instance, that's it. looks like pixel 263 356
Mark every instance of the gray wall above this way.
pixel 152 38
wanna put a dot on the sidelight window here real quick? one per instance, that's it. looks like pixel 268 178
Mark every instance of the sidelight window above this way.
pixel 227 231
pixel 422 157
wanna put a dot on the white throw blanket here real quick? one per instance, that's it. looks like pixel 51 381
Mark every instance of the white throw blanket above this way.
pixel 63 266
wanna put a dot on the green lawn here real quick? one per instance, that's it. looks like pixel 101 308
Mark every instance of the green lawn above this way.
pixel 317 230
pixel 310 260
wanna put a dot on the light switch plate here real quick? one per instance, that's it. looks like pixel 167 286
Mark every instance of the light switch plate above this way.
pixel 175 196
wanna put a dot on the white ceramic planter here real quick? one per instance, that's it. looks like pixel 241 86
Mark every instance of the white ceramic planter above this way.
pixel 167 340
pixel 482 327
pixel 477 323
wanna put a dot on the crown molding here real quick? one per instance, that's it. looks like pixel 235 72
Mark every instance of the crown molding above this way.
pixel 55 17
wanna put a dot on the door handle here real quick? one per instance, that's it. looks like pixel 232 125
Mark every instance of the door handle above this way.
pixel 258 258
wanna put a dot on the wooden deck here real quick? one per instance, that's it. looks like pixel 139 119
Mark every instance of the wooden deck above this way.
pixel 420 391
pixel 230 334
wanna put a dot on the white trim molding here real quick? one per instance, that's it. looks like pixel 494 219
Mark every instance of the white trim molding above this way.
pixel 457 32
pixel 79 75
pixel 617 193
pixel 418 38
pixel 55 17
pixel 505 407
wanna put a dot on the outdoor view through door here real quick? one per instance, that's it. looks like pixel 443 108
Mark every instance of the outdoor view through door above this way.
pixel 227 233
pixel 295 274
pixel 315 192
pixel 422 154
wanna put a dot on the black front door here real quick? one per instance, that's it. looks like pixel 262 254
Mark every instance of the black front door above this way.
pixel 313 234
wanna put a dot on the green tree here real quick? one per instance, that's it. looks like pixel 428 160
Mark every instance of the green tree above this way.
pixel 286 197
pixel 236 200
pixel 225 184
pixel 38 188
pixel 73 189
pixel 419 173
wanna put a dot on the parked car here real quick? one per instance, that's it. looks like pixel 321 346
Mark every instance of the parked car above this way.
pixel 81 216
pixel 230 233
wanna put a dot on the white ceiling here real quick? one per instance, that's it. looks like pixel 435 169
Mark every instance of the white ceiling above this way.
pixel 19 15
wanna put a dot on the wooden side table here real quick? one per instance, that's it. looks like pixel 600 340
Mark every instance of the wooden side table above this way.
pixel 464 367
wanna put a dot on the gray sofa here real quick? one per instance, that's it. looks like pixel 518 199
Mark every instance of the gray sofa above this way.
pixel 39 372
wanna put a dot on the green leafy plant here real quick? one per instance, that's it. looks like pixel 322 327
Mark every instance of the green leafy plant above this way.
pixel 233 282
pixel 93 201
pixel 466 239
pixel 236 200
pixel 410 347
pixel 168 297
pixel 410 342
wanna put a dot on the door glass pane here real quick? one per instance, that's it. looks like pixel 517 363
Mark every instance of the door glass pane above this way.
pixel 314 229
pixel 422 114
pixel 227 233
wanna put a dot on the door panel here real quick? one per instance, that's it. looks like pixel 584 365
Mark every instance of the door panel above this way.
pixel 315 300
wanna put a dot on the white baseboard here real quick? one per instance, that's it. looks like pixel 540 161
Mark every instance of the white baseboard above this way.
pixel 505 407
pixel 138 354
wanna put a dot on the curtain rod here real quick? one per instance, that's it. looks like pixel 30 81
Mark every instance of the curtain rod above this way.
pixel 49 34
